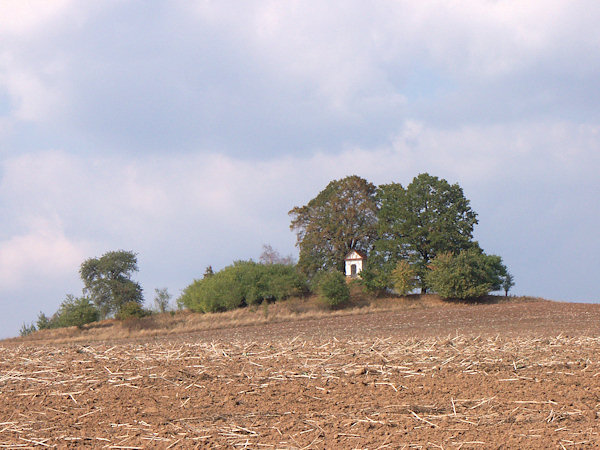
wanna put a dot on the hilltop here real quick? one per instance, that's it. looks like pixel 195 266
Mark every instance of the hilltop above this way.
pixel 176 323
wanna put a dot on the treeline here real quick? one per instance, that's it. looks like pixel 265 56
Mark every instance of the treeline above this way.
pixel 108 291
pixel 414 237
pixel 418 236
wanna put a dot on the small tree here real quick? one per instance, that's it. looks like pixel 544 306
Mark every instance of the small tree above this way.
pixel 272 256
pixel 404 278
pixel 162 299
pixel 333 288
pixel 507 283
pixel 42 321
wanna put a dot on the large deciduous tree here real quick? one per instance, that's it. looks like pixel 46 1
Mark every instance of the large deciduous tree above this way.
pixel 388 248
pixel 107 281
pixel 341 218
pixel 429 217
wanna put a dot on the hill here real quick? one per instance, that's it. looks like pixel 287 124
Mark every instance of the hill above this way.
pixel 292 310
pixel 413 373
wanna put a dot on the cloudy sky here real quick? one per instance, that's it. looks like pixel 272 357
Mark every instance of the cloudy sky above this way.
pixel 186 130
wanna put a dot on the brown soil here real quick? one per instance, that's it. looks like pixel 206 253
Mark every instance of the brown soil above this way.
pixel 514 375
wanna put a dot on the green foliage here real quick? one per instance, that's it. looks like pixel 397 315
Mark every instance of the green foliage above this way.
pixel 341 218
pixel 333 288
pixel 27 329
pixel 376 278
pixel 43 322
pixel 131 310
pixel 107 281
pixel 426 219
pixel 470 274
pixel 507 283
pixel 162 299
pixel 74 311
pixel 243 283
pixel 389 247
pixel 404 278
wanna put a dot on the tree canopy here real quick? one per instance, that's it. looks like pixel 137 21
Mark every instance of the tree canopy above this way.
pixel 429 217
pixel 107 281
pixel 341 218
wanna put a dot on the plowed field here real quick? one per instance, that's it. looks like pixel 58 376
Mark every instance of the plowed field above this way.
pixel 522 375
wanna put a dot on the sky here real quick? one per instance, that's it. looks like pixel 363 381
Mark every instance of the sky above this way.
pixel 186 130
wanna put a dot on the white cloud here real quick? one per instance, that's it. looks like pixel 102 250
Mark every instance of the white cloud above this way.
pixel 42 253
pixel 25 17
pixel 120 198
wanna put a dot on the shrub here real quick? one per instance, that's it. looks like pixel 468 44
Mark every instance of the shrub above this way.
pixel 75 312
pixel 404 278
pixel 333 288
pixel 470 274
pixel 243 283
pixel 131 310
pixel 376 280
pixel 27 329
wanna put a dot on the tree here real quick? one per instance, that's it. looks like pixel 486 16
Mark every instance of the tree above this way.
pixel 43 321
pixel 508 283
pixel 162 299
pixel 389 248
pixel 272 256
pixel 470 274
pixel 342 217
pixel 107 281
pixel 404 278
pixel 428 218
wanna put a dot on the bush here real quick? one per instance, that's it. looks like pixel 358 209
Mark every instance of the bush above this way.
pixel 27 329
pixel 75 312
pixel 243 283
pixel 404 278
pixel 376 280
pixel 132 310
pixel 333 288
pixel 470 274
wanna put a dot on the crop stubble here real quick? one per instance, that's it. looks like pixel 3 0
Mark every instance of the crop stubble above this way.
pixel 354 383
